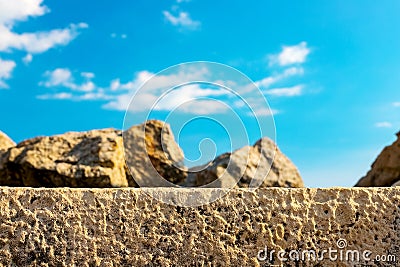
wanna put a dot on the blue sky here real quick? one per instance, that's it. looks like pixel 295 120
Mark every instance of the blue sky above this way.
pixel 330 70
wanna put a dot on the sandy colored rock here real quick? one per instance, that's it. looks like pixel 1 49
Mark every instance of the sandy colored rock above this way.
pixel 74 159
pixel 385 171
pixel 126 227
pixel 95 158
pixel 5 142
pixel 249 166
pixel 152 155
pixel 396 183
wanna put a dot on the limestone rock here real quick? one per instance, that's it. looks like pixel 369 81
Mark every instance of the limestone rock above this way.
pixel 386 169
pixel 249 166
pixel 156 159
pixel 87 159
pixel 95 159
pixel 5 142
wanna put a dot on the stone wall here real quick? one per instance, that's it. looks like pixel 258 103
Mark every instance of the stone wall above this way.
pixel 114 227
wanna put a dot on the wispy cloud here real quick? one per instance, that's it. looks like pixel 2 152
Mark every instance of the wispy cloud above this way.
pixel 89 96
pixel 190 99
pixel 268 81
pixel 56 96
pixel 181 20
pixel 37 42
pixel 6 68
pixel 122 36
pixel 264 112
pixel 152 91
pixel 396 104
pixel 286 91
pixel 27 59
pixel 12 12
pixel 383 124
pixel 62 77
pixel 291 55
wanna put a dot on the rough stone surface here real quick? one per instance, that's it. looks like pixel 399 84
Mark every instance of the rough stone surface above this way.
pixel 94 158
pixel 87 159
pixel 249 166
pixel 385 171
pixel 154 158
pixel 126 227
pixel 5 142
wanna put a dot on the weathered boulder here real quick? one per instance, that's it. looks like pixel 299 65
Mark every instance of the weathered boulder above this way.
pixel 95 159
pixel 249 166
pixel 385 171
pixel 5 142
pixel 87 159
pixel 153 157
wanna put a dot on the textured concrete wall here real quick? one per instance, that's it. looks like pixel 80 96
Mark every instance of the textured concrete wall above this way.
pixel 110 227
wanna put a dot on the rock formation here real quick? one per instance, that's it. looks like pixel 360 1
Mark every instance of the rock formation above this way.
pixel 88 159
pixel 385 171
pixel 249 166
pixel 5 142
pixel 156 157
pixel 145 155
pixel 93 159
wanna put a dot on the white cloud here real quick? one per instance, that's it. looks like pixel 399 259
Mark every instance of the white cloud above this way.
pixel 14 11
pixel 200 99
pixel 88 75
pixel 182 20
pixel 99 95
pixel 20 10
pixel 27 59
pixel 396 104
pixel 286 91
pixel 122 36
pixel 189 98
pixel 37 42
pixel 62 77
pixel 383 124
pixel 56 96
pixel 268 81
pixel 141 77
pixel 291 55
pixel 203 107
pixel 58 77
pixel 6 68
pixel 148 95
pixel 115 85
pixel 263 112
pixel 69 96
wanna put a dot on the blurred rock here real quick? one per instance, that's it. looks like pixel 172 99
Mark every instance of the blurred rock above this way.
pixel 155 160
pixel 95 159
pixel 5 142
pixel 87 159
pixel 250 166
pixel 385 171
